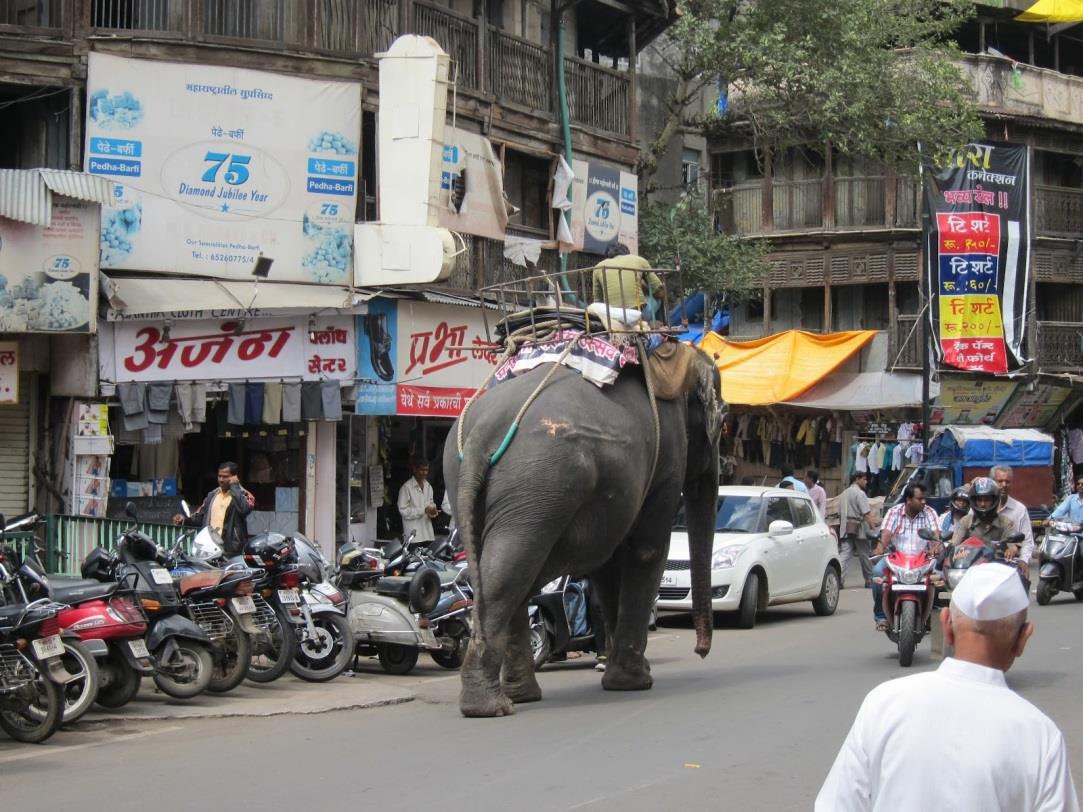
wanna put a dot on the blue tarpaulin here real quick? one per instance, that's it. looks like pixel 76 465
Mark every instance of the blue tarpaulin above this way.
pixel 982 447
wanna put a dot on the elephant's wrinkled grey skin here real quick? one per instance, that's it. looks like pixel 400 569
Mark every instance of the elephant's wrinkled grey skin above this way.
pixel 570 495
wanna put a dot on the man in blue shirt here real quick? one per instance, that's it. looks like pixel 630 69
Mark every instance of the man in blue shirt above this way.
pixel 787 476
pixel 1071 509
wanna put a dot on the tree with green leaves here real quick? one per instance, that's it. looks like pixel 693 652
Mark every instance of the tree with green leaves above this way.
pixel 869 79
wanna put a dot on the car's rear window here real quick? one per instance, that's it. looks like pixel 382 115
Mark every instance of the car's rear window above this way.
pixel 736 514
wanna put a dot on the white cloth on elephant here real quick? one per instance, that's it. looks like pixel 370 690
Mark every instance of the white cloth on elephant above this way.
pixel 413 499
pixel 991 749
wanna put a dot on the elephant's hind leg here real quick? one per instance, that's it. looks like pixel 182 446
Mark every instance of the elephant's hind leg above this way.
pixel 519 682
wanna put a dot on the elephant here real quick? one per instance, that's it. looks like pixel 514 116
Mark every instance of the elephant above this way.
pixel 578 491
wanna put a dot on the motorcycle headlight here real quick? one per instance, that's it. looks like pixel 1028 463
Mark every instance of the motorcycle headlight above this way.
pixel 953 577
pixel 905 575
pixel 552 586
pixel 726 556
pixel 1054 546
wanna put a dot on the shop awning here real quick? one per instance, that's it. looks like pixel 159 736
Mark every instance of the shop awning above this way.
pixel 781 367
pixel 1053 11
pixel 852 391
pixel 27 194
pixel 191 298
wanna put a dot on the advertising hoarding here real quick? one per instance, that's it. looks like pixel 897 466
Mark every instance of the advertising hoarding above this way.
pixel 49 274
pixel 216 166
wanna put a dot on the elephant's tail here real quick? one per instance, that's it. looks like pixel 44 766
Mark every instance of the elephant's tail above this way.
pixel 470 507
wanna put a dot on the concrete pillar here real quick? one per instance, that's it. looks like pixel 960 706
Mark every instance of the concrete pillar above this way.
pixel 324 495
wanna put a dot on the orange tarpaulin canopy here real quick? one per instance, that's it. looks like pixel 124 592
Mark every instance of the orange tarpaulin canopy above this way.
pixel 779 367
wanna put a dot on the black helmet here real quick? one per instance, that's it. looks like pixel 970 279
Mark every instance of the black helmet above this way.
pixel 983 488
pixel 960 495
pixel 269 550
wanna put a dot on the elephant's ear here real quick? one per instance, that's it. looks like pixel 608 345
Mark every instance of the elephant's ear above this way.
pixel 708 390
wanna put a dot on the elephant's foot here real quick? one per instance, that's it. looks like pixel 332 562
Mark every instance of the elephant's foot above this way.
pixel 618 678
pixel 526 690
pixel 484 704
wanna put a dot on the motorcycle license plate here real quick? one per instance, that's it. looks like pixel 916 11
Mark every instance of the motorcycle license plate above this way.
pixel 47 647
pixel 288 596
pixel 908 587
pixel 244 605
pixel 669 580
pixel 161 576
pixel 138 648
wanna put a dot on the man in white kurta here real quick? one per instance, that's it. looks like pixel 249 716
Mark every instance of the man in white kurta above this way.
pixel 416 505
pixel 957 738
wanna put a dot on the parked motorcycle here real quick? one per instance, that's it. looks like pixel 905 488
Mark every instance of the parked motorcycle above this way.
pixel 28 583
pixel 32 673
pixel 553 632
pixel 181 650
pixel 219 601
pixel 1060 568
pixel 324 642
pixel 405 600
pixel 908 597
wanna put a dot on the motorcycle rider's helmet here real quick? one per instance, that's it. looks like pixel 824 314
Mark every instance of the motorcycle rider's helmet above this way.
pixel 984 498
pixel 960 502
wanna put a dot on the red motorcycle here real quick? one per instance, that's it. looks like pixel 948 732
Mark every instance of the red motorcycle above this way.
pixel 111 626
pixel 908 597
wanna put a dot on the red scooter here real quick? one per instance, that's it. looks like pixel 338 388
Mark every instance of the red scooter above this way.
pixel 908 597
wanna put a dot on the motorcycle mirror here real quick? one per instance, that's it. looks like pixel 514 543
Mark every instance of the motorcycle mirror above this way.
pixel 187 511
pixel 129 510
pixel 1014 538
pixel 2 523
pixel 926 534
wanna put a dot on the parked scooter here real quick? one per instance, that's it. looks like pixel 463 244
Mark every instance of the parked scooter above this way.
pixel 1060 567
pixel 406 603
pixel 553 632
pixel 183 663
pixel 908 597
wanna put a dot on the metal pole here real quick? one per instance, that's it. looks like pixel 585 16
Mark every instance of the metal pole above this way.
pixel 926 317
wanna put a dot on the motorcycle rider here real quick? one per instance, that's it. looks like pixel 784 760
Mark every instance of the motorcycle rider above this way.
pixel 958 507
pixel 900 528
pixel 1016 512
pixel 985 519
pixel 1071 509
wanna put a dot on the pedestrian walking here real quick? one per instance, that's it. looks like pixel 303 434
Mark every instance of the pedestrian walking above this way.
pixel 958 737
pixel 816 491
pixel 855 523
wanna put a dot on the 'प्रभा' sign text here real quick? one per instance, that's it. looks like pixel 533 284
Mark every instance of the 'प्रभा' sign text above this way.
pixel 977 252
pixel 217 166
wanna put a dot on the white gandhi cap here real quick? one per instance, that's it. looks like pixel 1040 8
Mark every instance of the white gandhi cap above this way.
pixel 990 592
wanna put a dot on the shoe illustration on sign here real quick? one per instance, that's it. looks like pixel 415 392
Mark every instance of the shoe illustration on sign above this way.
pixel 379 345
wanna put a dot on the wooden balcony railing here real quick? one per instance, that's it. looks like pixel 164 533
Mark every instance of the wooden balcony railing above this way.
pixel 519 71
pixel 859 202
pixel 598 97
pixel 797 205
pixel 1060 346
pixel 1058 211
pixel 379 25
pixel 277 21
pixel 457 34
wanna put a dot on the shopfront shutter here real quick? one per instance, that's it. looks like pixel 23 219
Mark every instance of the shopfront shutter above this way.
pixel 15 453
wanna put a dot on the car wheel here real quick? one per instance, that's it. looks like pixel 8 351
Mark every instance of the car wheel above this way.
pixel 750 598
pixel 828 600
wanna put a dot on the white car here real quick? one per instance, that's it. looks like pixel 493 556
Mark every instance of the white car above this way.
pixel 770 547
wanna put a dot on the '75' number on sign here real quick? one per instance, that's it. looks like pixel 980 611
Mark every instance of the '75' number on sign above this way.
pixel 236 170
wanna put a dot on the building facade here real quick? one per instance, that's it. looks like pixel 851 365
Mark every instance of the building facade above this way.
pixel 323 474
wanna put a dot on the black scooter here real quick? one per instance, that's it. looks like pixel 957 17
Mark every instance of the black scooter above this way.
pixel 1060 567
pixel 552 634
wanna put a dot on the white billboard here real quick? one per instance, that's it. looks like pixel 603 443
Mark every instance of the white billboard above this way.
pixel 215 166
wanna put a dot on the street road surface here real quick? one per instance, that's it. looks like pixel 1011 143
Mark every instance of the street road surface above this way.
pixel 755 726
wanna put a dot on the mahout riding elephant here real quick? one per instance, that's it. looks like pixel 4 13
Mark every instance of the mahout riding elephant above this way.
pixel 573 492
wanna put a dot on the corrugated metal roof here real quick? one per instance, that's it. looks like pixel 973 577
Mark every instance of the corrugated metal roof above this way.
pixel 437 297
pixel 27 194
